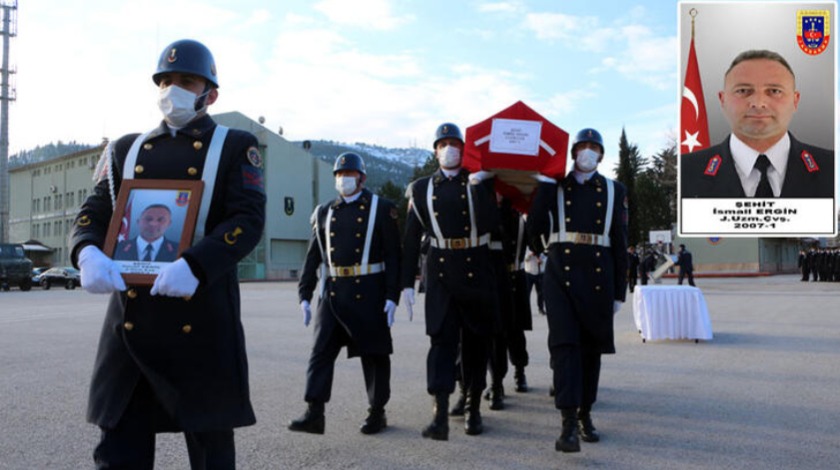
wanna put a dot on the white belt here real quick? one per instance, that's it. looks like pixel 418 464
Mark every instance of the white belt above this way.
pixel 459 243
pixel 580 238
pixel 357 270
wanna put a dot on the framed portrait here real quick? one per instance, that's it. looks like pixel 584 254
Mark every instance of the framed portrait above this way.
pixel 153 222
pixel 758 124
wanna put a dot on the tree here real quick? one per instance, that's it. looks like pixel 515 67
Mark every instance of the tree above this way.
pixel 395 194
pixel 656 192
pixel 630 166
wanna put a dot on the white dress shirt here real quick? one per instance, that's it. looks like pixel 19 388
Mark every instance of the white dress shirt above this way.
pixel 745 158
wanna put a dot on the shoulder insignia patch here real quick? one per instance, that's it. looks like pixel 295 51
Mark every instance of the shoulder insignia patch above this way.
pixel 808 160
pixel 252 178
pixel 713 166
pixel 254 157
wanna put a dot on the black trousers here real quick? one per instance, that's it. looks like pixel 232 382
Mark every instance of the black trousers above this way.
pixel 631 282
pixel 319 375
pixel 682 276
pixel 576 371
pixel 443 355
pixel 131 444
pixel 535 281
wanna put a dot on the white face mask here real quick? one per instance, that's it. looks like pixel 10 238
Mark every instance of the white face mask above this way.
pixel 587 160
pixel 449 157
pixel 345 185
pixel 177 105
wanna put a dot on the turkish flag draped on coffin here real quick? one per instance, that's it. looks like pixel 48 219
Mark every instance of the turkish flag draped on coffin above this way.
pixel 515 144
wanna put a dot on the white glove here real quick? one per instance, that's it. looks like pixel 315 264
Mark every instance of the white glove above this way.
pixel 307 312
pixel 544 179
pixel 390 308
pixel 617 306
pixel 175 280
pixel 99 273
pixel 408 298
pixel 479 176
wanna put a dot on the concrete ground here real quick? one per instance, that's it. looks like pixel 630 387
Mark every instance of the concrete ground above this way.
pixel 764 393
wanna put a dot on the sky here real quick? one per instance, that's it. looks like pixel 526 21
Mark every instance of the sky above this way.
pixel 383 72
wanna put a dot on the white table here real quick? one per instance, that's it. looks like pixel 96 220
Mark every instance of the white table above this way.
pixel 671 312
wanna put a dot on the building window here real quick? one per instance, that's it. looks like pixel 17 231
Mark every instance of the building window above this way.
pixel 47 204
pixel 57 201
pixel 35 205
pixel 67 224
pixel 70 202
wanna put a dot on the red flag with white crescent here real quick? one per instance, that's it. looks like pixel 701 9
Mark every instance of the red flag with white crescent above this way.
pixel 694 124
pixel 125 225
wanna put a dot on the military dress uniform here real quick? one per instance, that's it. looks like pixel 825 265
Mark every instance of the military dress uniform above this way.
pixel 362 255
pixel 585 229
pixel 166 363
pixel 461 301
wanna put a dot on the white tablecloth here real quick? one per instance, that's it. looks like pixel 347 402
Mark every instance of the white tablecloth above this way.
pixel 671 312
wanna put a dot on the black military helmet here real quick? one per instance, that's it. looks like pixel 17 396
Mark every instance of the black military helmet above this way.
pixel 187 56
pixel 349 161
pixel 588 135
pixel 447 130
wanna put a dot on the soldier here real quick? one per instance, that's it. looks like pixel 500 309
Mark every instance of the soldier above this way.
pixel 686 265
pixel 534 268
pixel 172 357
pixel 802 264
pixel 633 264
pixel 356 238
pixel 585 279
pixel 457 217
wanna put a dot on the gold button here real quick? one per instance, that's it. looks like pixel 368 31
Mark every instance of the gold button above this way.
pixel 358 235
pixel 440 274
pixel 441 259
pixel 132 294
pixel 147 146
pixel 192 171
pixel 597 287
pixel 463 212
pixel 568 203
pixel 568 284
pixel 597 254
pixel 470 275
pixel 332 234
pixel 187 328
pixel 358 281
pixel 598 189
pixel 360 220
pixel 333 219
pixel 436 214
pixel 128 326
pixel 358 250
pixel 197 145
pixel 332 294
pixel 598 221
pixel 332 248
pixel 567 251
pixel 469 260
pixel 567 268
pixel 434 198
pixel 463 196
pixel 358 296
pixel 467 229
pixel 362 207
pixel 332 279
pixel 84 221
pixel 138 169
pixel 568 219
pixel 598 204
pixel 597 270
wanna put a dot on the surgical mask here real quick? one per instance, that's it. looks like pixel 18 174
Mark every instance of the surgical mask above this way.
pixel 449 157
pixel 177 105
pixel 587 160
pixel 345 185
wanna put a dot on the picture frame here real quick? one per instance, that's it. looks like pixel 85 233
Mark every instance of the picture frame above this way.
pixel 152 224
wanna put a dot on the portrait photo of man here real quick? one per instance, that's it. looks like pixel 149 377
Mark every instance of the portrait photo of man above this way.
pixel 151 243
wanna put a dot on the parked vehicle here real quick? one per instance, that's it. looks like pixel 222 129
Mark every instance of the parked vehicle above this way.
pixel 15 267
pixel 36 274
pixel 64 276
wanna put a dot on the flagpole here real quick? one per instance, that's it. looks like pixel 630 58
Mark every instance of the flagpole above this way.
pixel 692 13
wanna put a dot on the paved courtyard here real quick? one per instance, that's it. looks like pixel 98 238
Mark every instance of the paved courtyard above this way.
pixel 764 393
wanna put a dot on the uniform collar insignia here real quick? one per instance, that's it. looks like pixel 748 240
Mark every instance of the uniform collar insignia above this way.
pixel 713 166
pixel 808 160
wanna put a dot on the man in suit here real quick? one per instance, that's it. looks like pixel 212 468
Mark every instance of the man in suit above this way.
pixel 150 245
pixel 461 299
pixel 171 356
pixel 633 264
pixel 585 279
pixel 356 238
pixel 686 264
pixel 760 158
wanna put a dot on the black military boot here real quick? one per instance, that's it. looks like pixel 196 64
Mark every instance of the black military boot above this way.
pixel 519 378
pixel 472 421
pixel 312 420
pixel 568 440
pixel 461 403
pixel 497 394
pixel 438 429
pixel 588 433
pixel 375 421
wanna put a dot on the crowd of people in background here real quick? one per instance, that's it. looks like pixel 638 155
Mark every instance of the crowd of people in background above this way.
pixel 820 264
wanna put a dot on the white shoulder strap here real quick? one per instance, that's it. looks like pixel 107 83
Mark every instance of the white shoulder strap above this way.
pixel 211 168
pixel 369 236
pixel 131 157
pixel 610 206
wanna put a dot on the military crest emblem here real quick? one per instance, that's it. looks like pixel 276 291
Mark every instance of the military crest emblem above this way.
pixel 813 30
pixel 289 205
pixel 713 166
pixel 183 198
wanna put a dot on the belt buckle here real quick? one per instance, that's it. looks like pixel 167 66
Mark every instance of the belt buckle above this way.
pixel 457 243
pixel 344 271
